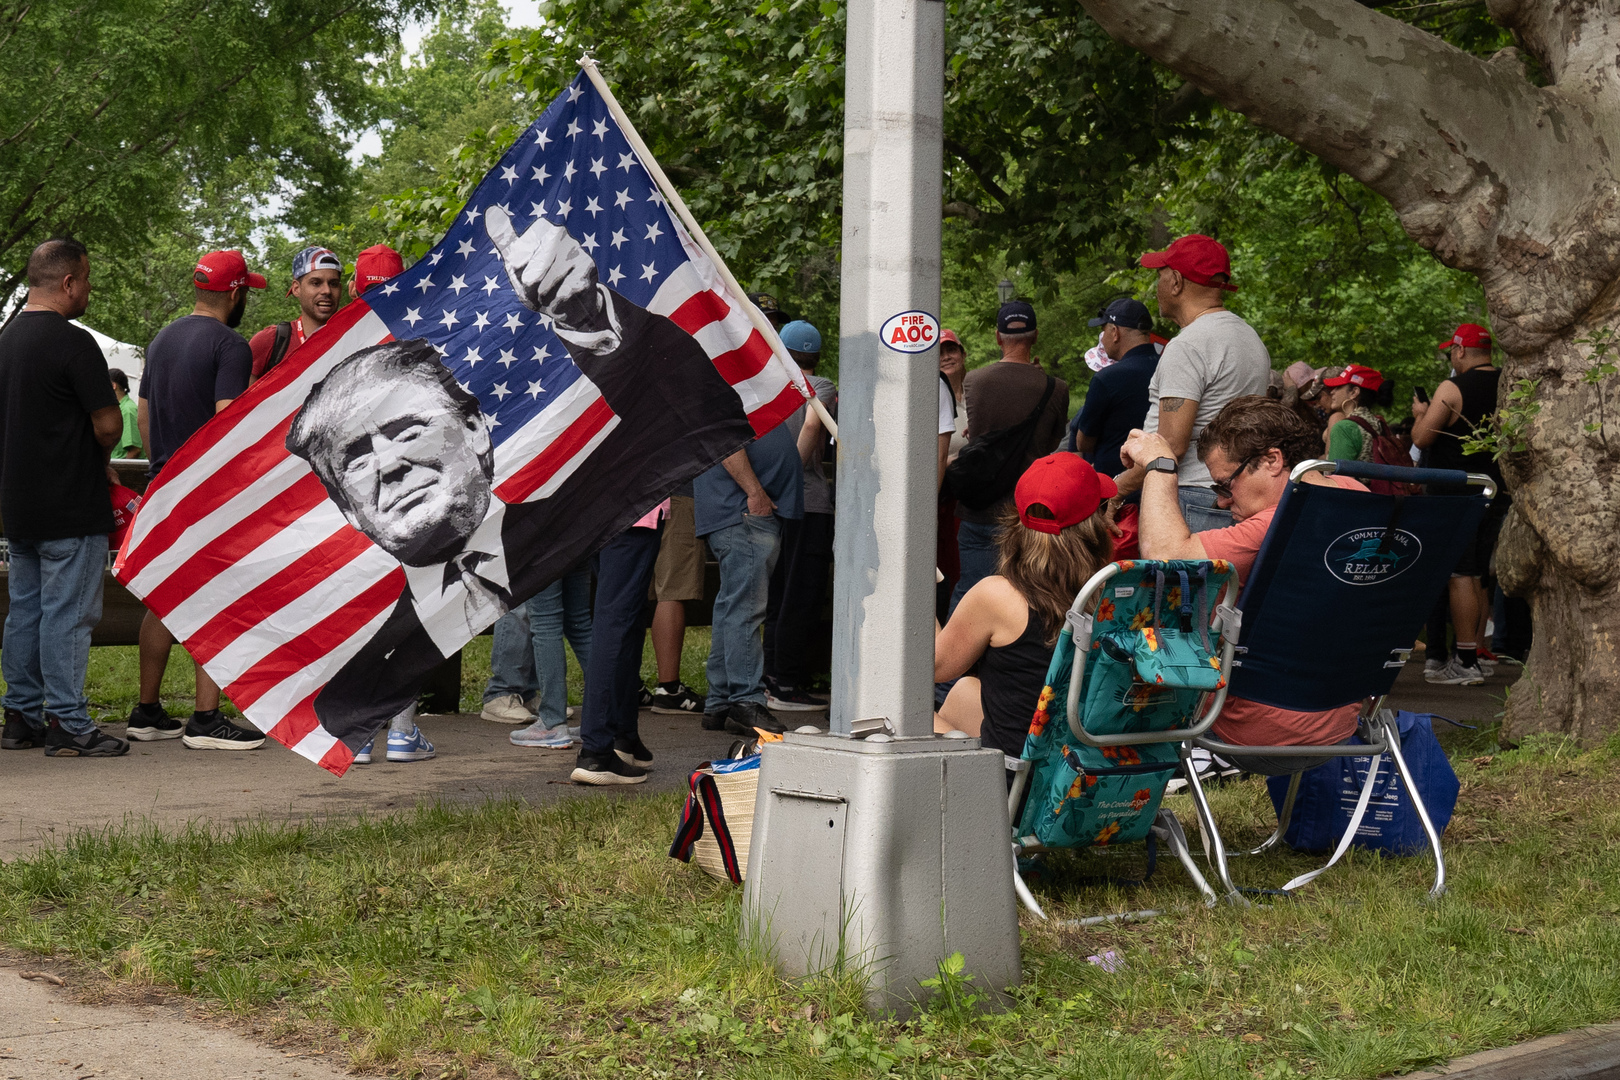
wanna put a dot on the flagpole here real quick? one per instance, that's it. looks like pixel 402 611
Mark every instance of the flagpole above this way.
pixel 755 316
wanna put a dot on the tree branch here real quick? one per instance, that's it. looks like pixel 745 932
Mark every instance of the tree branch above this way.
pixel 981 172
pixel 1483 168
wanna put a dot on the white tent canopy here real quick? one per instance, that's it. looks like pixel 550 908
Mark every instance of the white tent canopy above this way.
pixel 120 354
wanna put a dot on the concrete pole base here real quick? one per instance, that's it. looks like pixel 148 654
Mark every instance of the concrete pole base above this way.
pixel 882 858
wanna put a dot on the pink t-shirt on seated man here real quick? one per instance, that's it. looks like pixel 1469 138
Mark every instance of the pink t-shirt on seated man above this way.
pixel 1249 723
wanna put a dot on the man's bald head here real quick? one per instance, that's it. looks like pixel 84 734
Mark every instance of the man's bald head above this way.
pixel 59 277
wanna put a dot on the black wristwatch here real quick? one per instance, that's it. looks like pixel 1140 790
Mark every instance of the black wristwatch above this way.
pixel 1162 464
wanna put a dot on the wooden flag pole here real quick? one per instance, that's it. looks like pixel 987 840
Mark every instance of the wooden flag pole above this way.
pixel 755 316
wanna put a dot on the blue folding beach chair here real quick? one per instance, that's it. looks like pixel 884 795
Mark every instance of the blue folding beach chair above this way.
pixel 1338 593
pixel 1140 666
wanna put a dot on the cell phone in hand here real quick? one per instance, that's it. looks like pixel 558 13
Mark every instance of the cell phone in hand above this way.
pixel 1421 394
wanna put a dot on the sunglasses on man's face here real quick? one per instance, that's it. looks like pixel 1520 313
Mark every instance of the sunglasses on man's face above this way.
pixel 1223 488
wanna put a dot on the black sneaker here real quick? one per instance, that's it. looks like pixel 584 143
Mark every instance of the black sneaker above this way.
pixel 151 722
pixel 644 697
pixel 634 752
pixel 21 733
pixel 60 743
pixel 601 770
pixel 683 699
pixel 748 718
pixel 715 721
pixel 785 697
pixel 211 731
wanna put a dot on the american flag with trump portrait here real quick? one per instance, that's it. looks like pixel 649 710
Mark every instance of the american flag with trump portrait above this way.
pixel 456 439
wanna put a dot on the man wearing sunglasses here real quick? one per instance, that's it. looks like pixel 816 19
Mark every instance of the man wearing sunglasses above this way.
pixel 1250 447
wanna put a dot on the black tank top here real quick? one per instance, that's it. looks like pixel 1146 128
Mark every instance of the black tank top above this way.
pixel 1011 678
pixel 1478 387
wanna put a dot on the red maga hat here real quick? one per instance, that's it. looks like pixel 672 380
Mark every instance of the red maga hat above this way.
pixel 1357 375
pixel 1196 257
pixel 1469 336
pixel 222 271
pixel 374 265
pixel 1066 486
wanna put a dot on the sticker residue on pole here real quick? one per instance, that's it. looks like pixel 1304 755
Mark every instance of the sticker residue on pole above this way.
pixel 910 332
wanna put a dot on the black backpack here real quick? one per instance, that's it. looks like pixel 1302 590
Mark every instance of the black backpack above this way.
pixel 279 349
pixel 988 468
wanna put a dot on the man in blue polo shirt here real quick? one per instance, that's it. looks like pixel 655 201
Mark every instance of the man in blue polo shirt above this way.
pixel 1117 399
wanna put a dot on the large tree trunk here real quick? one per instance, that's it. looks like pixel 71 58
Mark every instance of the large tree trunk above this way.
pixel 1514 182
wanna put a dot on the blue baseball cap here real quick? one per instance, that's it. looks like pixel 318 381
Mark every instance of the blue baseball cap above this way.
pixel 1015 317
pixel 800 336
pixel 1131 314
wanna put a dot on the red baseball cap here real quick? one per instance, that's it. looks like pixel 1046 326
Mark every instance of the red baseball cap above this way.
pixel 376 264
pixel 950 336
pixel 1066 486
pixel 222 271
pixel 1469 336
pixel 1356 375
pixel 1196 257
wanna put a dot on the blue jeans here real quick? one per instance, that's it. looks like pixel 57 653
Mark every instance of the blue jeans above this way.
pixel 1199 510
pixel 55 588
pixel 560 610
pixel 624 572
pixel 979 555
pixel 527 656
pixel 747 555
pixel 511 657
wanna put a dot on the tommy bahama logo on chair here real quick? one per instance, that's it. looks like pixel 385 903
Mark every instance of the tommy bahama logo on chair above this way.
pixel 1363 557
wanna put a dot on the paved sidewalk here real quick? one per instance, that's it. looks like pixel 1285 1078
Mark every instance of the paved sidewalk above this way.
pixel 44 1035
pixel 49 798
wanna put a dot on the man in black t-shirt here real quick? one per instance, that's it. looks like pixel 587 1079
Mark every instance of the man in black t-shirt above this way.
pixel 58 421
pixel 1460 404
pixel 194 368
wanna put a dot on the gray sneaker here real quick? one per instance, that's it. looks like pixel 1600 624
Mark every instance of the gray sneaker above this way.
pixel 1454 674
pixel 541 737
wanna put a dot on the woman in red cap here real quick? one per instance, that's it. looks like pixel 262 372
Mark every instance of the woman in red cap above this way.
pixel 1005 627
pixel 1356 392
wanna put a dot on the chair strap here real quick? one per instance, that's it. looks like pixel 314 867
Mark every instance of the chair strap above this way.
pixel 1389 529
pixel 1349 833
pixel 1158 596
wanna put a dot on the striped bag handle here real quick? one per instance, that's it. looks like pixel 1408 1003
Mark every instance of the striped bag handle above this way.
pixel 703 799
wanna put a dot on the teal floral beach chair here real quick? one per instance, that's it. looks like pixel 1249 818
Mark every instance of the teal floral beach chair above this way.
pixel 1141 665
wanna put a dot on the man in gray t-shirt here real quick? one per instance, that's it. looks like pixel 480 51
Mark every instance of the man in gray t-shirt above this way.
pixel 799 583
pixel 1216 357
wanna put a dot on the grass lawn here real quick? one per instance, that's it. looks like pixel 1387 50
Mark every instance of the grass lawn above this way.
pixel 113 679
pixel 504 941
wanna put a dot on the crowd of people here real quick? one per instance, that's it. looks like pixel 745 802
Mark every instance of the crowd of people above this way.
pixel 1181 448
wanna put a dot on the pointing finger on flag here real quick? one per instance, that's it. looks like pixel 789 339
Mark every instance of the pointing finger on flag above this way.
pixel 549 271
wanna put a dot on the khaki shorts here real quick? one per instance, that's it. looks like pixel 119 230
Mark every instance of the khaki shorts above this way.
pixel 678 574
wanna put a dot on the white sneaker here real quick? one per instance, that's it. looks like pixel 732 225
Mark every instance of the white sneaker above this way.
pixel 1454 674
pixel 507 709
pixel 1431 666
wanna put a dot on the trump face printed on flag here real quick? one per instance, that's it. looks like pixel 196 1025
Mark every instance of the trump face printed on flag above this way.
pixel 402 450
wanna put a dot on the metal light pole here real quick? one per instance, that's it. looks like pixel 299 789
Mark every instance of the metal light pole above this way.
pixel 879 845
